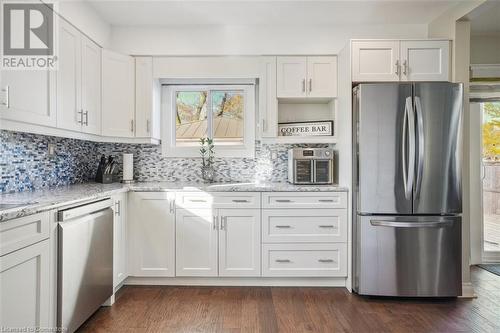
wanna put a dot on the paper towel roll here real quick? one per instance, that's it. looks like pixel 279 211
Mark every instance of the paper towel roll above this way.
pixel 128 167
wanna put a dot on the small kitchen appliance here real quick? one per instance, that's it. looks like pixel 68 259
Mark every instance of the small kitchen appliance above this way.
pixel 310 166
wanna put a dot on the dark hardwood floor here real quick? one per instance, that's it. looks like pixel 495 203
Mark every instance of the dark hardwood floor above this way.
pixel 263 309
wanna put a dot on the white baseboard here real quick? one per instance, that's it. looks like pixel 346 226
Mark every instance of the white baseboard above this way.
pixel 468 290
pixel 237 281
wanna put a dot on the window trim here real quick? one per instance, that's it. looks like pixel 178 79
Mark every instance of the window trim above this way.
pixel 168 105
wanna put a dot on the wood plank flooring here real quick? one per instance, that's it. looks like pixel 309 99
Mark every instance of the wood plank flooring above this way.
pixel 265 309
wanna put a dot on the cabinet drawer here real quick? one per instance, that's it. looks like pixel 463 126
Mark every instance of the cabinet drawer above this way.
pixel 24 231
pixel 305 225
pixel 304 200
pixel 306 260
pixel 217 200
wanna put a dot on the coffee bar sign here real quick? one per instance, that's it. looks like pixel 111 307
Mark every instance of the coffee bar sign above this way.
pixel 317 128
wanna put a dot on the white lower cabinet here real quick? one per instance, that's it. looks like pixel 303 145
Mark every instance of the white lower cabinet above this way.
pixel 119 239
pixel 239 242
pixel 196 242
pixel 25 287
pixel 152 234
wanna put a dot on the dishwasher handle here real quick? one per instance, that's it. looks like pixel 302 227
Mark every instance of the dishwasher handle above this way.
pixel 89 208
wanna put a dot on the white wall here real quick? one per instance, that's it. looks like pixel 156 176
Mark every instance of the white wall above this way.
pixel 251 40
pixel 485 49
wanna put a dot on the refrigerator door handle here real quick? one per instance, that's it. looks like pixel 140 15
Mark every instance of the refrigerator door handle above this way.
pixel 421 145
pixel 410 224
pixel 408 138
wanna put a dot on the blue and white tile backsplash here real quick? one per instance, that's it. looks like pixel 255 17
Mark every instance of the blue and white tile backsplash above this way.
pixel 25 164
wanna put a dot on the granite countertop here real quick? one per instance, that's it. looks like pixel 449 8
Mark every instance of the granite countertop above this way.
pixel 14 205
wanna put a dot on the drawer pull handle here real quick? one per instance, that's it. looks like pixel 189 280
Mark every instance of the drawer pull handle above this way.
pixel 326 260
pixel 283 260
pixel 327 226
pixel 325 200
pixel 197 200
pixel 283 226
pixel 240 200
pixel 283 200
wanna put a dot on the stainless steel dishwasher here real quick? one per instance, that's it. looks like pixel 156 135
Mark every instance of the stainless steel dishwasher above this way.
pixel 85 262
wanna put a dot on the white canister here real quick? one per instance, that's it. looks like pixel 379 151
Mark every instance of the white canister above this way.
pixel 128 167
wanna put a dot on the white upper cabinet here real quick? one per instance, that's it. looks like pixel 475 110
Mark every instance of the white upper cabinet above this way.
pixel 291 76
pixel 425 60
pixel 322 76
pixel 91 86
pixel 151 234
pixel 147 100
pixel 28 96
pixel 395 60
pixel 239 242
pixel 375 61
pixel 118 94
pixel 307 77
pixel 79 82
pixel 69 111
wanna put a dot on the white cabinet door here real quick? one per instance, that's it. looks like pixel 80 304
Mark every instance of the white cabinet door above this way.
pixel 322 76
pixel 145 125
pixel 291 76
pixel 425 60
pixel 152 234
pixel 69 98
pixel 91 86
pixel 28 96
pixel 269 111
pixel 196 242
pixel 25 286
pixel 118 91
pixel 375 61
pixel 239 242
pixel 120 239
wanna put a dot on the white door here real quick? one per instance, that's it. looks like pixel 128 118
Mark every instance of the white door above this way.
pixel 152 234
pixel 118 91
pixel 24 286
pixel 322 76
pixel 91 86
pixel 120 239
pixel 143 96
pixel 291 76
pixel 239 242
pixel 28 96
pixel 69 98
pixel 269 110
pixel 375 61
pixel 196 242
pixel 425 60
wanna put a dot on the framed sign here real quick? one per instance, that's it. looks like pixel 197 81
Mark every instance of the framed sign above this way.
pixel 307 128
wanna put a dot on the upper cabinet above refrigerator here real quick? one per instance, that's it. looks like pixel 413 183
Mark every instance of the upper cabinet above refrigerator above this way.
pixel 400 60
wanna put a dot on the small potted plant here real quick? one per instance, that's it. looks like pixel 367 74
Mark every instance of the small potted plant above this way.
pixel 207 158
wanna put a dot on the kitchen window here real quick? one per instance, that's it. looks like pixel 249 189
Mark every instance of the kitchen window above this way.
pixel 224 112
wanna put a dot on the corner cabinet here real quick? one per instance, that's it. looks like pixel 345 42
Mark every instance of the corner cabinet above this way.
pixel 120 239
pixel 151 234
pixel 307 77
pixel 400 60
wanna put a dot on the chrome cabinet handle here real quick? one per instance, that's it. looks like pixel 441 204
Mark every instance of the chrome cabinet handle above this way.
pixel 118 209
pixel 6 90
pixel 86 118
pixel 147 126
pixel 263 124
pixel 326 226
pixel 172 206
pixel 310 85
pixel 397 67
pixel 132 125
pixel 283 260
pixel 214 224
pixel 81 116
pixel 283 200
pixel 223 223
pixel 405 67
pixel 283 226
pixel 304 85
pixel 240 200
pixel 325 200
pixel 325 260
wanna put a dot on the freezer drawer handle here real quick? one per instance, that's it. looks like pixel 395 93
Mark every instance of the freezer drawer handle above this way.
pixel 409 224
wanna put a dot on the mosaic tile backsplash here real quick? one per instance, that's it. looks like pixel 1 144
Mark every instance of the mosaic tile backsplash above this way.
pixel 25 164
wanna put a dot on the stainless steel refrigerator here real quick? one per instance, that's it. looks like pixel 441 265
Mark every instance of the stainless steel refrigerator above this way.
pixel 407 189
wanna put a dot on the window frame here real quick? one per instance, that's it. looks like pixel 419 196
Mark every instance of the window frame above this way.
pixel 168 112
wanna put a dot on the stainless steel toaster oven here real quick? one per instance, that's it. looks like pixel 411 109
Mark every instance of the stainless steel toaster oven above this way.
pixel 310 165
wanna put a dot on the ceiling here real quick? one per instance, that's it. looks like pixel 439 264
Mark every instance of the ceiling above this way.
pixel 485 19
pixel 276 12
